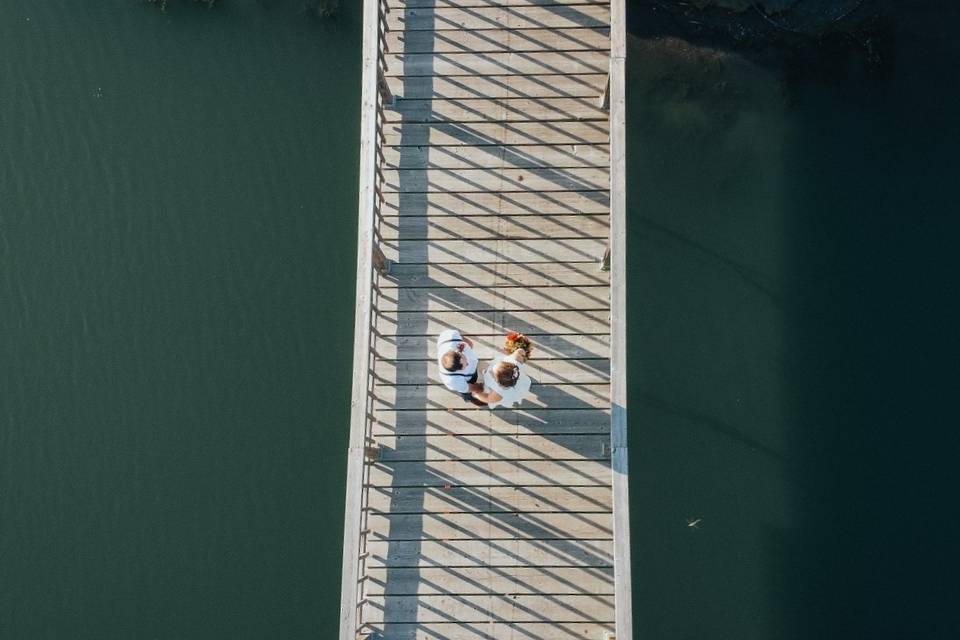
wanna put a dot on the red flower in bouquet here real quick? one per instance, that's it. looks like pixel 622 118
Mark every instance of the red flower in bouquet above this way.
pixel 518 341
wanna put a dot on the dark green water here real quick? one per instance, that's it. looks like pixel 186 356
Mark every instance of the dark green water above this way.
pixel 177 237
pixel 178 218
pixel 793 349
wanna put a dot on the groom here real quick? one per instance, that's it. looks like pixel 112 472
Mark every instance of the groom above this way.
pixel 458 365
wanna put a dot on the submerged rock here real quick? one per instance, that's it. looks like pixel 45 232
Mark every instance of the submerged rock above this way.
pixel 785 33
pixel 697 91
pixel 813 17
pixel 757 22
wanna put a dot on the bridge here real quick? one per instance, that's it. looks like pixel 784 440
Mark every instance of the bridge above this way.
pixel 491 200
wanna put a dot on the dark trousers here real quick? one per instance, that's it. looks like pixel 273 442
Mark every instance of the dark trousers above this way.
pixel 468 397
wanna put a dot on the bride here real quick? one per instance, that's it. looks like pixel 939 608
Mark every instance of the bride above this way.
pixel 505 383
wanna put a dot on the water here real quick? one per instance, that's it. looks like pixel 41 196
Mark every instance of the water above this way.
pixel 793 291
pixel 178 251
pixel 177 238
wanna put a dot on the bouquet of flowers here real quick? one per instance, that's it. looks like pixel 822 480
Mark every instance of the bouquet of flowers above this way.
pixel 518 341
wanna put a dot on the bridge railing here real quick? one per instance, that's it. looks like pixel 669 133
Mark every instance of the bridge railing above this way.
pixel 370 261
pixel 615 95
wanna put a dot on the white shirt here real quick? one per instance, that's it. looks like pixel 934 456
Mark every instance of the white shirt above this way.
pixel 457 380
pixel 509 396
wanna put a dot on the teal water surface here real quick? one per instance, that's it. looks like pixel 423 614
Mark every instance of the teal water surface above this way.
pixel 178 216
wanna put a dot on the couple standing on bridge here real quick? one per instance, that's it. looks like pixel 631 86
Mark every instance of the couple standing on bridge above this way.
pixel 504 381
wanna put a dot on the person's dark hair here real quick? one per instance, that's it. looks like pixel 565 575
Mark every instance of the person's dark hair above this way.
pixel 452 360
pixel 507 374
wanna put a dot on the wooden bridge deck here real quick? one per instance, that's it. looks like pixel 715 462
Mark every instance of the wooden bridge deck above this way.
pixel 487 180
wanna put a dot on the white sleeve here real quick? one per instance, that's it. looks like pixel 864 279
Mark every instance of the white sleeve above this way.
pixel 472 360
pixel 458 384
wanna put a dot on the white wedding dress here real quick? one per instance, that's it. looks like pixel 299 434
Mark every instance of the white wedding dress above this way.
pixel 511 395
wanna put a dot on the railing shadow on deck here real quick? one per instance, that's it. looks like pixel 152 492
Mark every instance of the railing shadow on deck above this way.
pixel 558 551
pixel 542 536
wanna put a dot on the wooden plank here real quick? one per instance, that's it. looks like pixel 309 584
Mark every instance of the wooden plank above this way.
pixel 556 17
pixel 401 5
pixel 544 396
pixel 489 526
pixel 485 580
pixel 578 371
pixel 485 180
pixel 467 299
pixel 481 421
pixel 499 86
pixel 420 398
pixel 465 609
pixel 475 251
pixel 481 298
pixel 541 274
pixel 489 499
pixel 499 40
pixel 510 204
pixel 500 227
pixel 457 473
pixel 497 156
pixel 418 323
pixel 495 133
pixel 497 63
pixel 490 630
pixel 509 180
pixel 419 425
pixel 619 389
pixel 494 447
pixel 503 110
pixel 545 347
pixel 491 553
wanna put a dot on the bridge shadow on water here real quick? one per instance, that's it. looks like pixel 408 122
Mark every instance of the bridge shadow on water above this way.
pixel 478 505
pixel 790 381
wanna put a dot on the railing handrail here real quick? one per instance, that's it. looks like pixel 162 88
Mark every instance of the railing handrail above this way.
pixel 364 351
pixel 623 604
